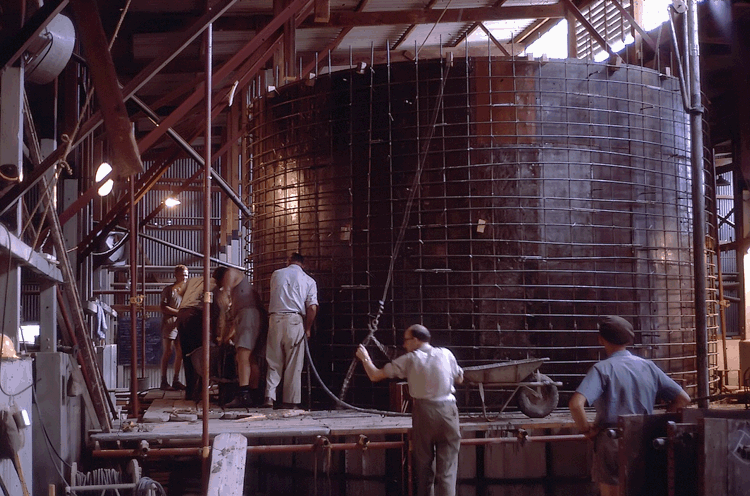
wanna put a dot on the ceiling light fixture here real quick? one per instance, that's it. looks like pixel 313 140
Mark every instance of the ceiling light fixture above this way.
pixel 102 172
pixel 171 202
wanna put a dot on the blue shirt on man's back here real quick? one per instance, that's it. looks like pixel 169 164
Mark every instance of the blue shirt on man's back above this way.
pixel 625 384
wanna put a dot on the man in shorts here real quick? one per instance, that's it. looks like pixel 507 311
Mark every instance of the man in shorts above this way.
pixel 623 384
pixel 171 297
pixel 243 323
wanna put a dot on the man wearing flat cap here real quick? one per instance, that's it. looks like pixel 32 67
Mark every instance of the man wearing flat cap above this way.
pixel 623 384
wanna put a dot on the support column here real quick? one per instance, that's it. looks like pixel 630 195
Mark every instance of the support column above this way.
pixel 48 317
pixel 59 416
pixel 572 41
pixel 11 152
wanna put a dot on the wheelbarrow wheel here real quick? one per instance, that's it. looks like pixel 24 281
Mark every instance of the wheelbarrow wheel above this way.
pixel 538 401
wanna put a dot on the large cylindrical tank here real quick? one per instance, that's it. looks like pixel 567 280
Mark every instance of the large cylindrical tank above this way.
pixel 539 195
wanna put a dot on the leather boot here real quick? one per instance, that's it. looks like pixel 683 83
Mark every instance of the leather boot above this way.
pixel 243 399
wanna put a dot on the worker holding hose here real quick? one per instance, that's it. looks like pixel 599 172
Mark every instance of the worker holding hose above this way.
pixel 431 373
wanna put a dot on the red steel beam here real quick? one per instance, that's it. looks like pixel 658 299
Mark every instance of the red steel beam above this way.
pixel 264 34
pixel 155 173
pixel 156 65
pixel 143 77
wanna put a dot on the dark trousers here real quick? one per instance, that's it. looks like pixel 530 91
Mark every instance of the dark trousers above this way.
pixel 190 333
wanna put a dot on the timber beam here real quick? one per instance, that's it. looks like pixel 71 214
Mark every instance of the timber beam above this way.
pixel 120 134
pixel 248 70
pixel 288 13
pixel 432 16
pixel 589 27
pixel 135 84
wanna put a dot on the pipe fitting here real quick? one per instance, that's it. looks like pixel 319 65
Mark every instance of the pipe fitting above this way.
pixel 363 441
pixel 322 442
pixel 143 447
pixel 614 433
pixel 522 436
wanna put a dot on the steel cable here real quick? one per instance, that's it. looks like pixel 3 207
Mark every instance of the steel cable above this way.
pixel 373 325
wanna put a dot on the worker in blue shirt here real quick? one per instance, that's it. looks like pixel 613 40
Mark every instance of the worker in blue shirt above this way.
pixel 623 384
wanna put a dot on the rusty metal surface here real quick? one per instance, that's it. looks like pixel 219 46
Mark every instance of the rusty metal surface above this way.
pixel 551 193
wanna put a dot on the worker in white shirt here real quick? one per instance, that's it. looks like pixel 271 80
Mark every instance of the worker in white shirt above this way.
pixel 431 373
pixel 293 306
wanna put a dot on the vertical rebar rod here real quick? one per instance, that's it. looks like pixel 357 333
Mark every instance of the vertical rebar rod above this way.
pixel 699 207
pixel 133 300
pixel 491 125
pixel 391 97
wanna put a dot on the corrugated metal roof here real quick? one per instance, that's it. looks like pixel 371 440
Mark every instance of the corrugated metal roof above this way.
pixel 368 36
pixel 387 5
pixel 437 35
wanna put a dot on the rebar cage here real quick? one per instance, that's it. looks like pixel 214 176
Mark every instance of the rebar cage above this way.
pixel 547 193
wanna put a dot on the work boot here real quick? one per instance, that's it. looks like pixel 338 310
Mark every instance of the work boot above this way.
pixel 177 385
pixel 242 399
pixel 164 386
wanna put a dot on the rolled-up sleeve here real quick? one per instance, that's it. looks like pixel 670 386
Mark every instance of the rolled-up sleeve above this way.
pixel 312 294
pixel 397 368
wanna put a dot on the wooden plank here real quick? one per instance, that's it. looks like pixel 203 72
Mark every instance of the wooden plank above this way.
pixel 185 405
pixel 160 410
pixel 272 424
pixel 713 459
pixel 227 472
pixel 153 394
pixel 322 10
pixel 155 415
pixel 643 468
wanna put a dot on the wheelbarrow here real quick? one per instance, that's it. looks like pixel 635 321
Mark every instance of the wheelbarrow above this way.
pixel 537 394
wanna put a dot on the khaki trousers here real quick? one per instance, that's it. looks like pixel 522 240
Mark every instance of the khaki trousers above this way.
pixel 437 439
pixel 285 354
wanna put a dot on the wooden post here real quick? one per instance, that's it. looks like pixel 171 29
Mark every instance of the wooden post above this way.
pixel 125 157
